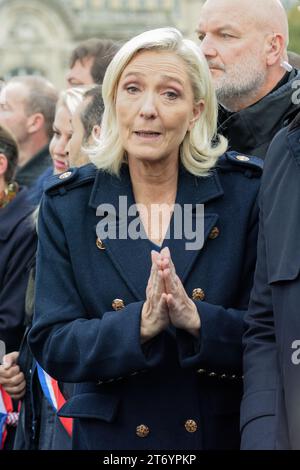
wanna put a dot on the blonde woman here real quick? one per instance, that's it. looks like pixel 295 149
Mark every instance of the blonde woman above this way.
pixel 140 296
pixel 68 102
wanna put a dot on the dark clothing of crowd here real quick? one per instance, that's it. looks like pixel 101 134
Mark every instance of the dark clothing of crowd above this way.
pixel 18 242
pixel 29 173
pixel 251 130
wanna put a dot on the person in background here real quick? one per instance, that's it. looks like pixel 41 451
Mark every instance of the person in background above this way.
pixel 18 243
pixel 86 126
pixel 270 418
pixel 147 327
pixel 39 427
pixel 27 108
pixel 17 251
pixel 89 61
pixel 245 44
pixel 62 131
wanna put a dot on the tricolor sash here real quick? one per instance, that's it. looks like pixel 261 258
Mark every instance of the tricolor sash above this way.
pixel 54 396
pixel 6 408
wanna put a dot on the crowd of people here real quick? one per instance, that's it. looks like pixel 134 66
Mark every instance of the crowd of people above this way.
pixel 128 332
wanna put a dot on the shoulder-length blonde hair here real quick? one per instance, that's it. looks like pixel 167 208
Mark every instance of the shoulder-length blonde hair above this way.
pixel 201 147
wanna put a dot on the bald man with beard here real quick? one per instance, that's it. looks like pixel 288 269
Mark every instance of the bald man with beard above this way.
pixel 245 43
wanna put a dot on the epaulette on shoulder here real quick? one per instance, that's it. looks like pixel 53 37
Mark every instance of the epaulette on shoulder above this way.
pixel 59 184
pixel 247 164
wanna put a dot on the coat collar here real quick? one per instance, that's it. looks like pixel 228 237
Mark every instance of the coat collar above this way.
pixel 131 257
pixel 11 215
pixel 191 189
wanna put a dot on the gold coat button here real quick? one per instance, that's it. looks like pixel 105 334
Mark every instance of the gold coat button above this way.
pixel 198 294
pixel 142 430
pixel 118 304
pixel 100 244
pixel 214 233
pixel 191 425
pixel 242 158
pixel 65 175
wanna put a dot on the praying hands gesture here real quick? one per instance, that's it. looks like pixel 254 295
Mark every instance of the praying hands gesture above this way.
pixel 166 300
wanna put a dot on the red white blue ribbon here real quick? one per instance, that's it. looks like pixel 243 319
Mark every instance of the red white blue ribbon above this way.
pixel 6 409
pixel 54 396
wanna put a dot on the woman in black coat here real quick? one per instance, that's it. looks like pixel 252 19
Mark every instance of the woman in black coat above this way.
pixel 17 250
pixel 143 317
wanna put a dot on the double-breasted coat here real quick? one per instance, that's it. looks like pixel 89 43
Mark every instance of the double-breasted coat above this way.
pixel 173 392
pixel 270 417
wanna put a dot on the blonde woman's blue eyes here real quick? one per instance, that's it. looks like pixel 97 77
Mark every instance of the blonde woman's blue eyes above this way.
pixel 131 89
pixel 227 36
pixel 171 95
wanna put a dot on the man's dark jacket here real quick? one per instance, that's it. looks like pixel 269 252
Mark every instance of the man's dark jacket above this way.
pixel 251 130
pixel 270 414
pixel 17 250
pixel 29 173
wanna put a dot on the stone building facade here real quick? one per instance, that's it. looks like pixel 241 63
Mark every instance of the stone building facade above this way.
pixel 37 36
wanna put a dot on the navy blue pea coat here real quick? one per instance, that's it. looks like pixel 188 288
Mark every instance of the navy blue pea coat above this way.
pixel 270 417
pixel 173 392
pixel 18 243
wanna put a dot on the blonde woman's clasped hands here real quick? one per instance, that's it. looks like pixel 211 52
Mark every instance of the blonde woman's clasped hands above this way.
pixel 167 302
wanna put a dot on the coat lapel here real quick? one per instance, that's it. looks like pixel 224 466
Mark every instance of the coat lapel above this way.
pixel 132 258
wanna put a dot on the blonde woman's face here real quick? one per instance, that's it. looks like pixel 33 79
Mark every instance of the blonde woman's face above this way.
pixel 155 106
pixel 62 134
